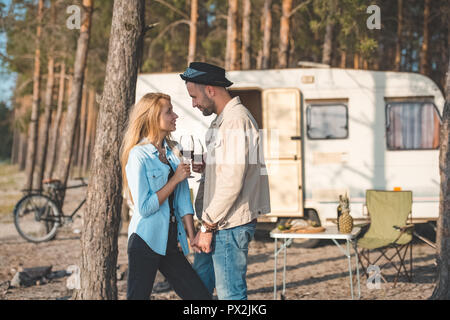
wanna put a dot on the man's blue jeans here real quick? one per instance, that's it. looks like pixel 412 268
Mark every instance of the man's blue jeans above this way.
pixel 226 266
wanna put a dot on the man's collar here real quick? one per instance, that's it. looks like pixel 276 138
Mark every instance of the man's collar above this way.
pixel 219 119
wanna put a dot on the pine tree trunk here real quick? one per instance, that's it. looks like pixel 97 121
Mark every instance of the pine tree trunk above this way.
pixel 292 63
pixel 193 31
pixel 356 58
pixel 89 128
pixel 423 66
pixel 283 48
pixel 398 48
pixel 246 35
pixel 99 247
pixel 33 126
pixel 23 151
pixel 41 161
pixel 92 134
pixel 73 108
pixel 267 29
pixel 327 44
pixel 232 36
pixel 43 135
pixel 379 55
pixel 446 48
pixel 16 134
pixel 343 63
pixel 76 139
pixel 83 124
pixel 15 144
pixel 56 124
pixel 442 289
pixel 328 41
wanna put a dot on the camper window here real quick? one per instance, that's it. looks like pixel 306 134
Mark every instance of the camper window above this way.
pixel 327 121
pixel 412 126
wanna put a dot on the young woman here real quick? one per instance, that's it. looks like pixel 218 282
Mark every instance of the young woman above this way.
pixel 155 182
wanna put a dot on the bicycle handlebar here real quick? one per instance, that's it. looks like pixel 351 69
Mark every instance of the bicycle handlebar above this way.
pixel 50 181
pixel 30 190
pixel 76 186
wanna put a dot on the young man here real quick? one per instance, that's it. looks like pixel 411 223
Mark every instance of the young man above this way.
pixel 235 184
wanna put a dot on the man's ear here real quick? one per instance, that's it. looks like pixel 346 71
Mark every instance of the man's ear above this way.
pixel 210 91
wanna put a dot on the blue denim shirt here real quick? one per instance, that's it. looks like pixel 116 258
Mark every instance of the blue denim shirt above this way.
pixel 146 175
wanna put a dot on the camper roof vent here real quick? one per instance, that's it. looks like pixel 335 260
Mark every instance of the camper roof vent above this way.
pixel 309 64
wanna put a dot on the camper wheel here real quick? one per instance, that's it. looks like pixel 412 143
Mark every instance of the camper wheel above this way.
pixel 309 214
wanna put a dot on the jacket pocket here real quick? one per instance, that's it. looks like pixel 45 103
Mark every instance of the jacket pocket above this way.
pixel 217 143
pixel 245 235
pixel 156 179
pixel 217 152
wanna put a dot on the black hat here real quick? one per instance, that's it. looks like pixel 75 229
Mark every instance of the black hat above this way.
pixel 205 73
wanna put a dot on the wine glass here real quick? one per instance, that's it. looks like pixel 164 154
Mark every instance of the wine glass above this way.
pixel 187 149
pixel 198 151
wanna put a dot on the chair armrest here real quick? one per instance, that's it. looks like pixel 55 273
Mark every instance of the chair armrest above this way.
pixel 364 228
pixel 361 225
pixel 404 228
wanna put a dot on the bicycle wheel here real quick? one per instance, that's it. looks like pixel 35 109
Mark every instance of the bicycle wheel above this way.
pixel 36 218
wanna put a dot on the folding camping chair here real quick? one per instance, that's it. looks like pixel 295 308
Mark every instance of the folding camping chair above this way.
pixel 388 229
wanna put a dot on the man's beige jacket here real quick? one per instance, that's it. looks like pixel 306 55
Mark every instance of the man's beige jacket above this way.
pixel 235 187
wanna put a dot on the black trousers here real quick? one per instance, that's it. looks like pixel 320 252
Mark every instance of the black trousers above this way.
pixel 143 263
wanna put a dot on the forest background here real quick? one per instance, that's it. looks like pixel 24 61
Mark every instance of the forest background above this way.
pixel 414 37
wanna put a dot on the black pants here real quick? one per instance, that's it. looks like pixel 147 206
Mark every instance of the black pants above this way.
pixel 143 263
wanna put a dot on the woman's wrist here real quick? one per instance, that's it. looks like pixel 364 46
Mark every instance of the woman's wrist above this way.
pixel 174 181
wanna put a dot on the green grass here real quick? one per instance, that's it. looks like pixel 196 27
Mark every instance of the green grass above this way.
pixel 11 181
pixel 6 168
pixel 6 212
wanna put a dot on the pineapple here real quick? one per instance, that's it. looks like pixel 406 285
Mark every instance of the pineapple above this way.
pixel 345 223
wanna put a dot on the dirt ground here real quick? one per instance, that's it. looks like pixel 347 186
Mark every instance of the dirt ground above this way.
pixel 317 273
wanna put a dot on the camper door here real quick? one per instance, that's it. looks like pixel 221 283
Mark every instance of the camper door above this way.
pixel 282 150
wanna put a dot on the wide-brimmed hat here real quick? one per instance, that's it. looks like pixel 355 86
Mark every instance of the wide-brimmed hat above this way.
pixel 205 73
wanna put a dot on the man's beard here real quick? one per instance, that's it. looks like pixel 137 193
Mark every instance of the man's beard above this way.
pixel 207 112
pixel 209 108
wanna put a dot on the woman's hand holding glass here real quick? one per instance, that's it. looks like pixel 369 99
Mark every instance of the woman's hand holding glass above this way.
pixel 183 171
pixel 187 146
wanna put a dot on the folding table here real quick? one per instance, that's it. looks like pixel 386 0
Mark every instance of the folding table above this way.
pixel 329 233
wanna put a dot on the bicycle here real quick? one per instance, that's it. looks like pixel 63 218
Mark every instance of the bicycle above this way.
pixel 39 214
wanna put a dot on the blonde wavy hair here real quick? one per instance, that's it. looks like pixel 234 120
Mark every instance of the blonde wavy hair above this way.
pixel 143 122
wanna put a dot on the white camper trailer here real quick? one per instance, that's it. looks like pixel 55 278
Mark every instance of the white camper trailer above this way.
pixel 331 131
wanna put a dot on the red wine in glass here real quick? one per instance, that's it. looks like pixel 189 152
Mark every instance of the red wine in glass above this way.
pixel 197 154
pixel 197 158
pixel 187 145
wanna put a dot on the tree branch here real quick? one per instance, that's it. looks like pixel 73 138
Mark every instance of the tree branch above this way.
pixel 222 16
pixel 150 26
pixel 5 58
pixel 171 7
pixel 166 29
pixel 300 6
